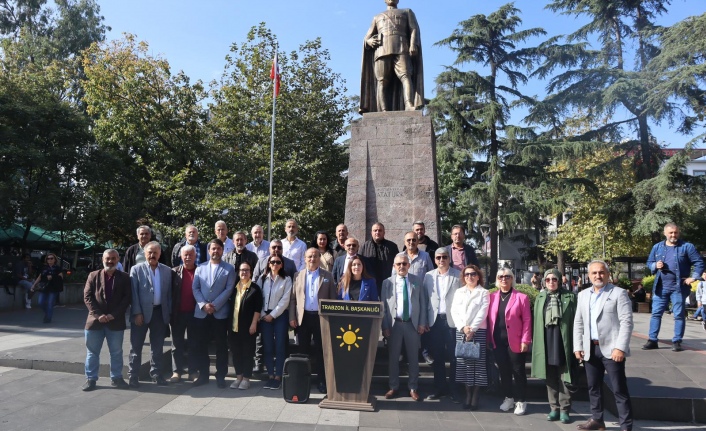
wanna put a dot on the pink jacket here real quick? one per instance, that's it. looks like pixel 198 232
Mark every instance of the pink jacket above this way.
pixel 518 319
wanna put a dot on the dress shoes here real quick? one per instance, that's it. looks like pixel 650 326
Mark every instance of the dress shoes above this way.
pixel 90 385
pixel 392 393
pixel 591 424
pixel 221 383
pixel 119 383
pixel 176 378
pixel 134 383
pixel 676 346
pixel 322 387
pixel 159 380
pixel 650 345
pixel 415 395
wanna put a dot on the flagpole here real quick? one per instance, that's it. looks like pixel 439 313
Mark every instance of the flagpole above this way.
pixel 272 141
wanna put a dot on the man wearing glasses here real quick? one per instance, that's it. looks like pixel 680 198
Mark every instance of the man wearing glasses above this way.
pixel 275 250
pixel 405 319
pixel 460 253
pixel 419 261
pixel 341 263
pixel 440 285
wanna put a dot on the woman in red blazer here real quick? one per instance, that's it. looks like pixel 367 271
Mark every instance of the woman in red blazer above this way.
pixel 509 335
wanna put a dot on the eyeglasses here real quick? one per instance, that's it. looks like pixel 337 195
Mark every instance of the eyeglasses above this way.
pixel 401 264
pixel 500 277
pixel 276 247
pixel 442 257
pixel 275 262
pixel 551 280
pixel 470 274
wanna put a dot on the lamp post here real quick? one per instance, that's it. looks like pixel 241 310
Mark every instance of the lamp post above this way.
pixel 602 231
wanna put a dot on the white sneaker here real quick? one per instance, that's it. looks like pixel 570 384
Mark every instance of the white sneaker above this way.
pixel 236 383
pixel 245 384
pixel 520 408
pixel 427 357
pixel 508 404
pixel 28 305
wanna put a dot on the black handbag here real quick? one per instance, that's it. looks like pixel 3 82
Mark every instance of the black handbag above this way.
pixel 467 349
pixel 41 286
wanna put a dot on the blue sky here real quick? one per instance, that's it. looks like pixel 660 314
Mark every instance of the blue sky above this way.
pixel 196 36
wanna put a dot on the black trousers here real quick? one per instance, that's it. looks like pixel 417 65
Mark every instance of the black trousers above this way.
pixel 242 347
pixel 204 330
pixel 511 365
pixel 311 328
pixel 596 367
pixel 442 343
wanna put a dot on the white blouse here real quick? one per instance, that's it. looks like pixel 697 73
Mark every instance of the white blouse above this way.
pixel 470 308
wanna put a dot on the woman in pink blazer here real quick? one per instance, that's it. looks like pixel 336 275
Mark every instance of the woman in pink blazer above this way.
pixel 509 335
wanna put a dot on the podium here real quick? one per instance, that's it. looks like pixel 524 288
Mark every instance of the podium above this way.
pixel 350 331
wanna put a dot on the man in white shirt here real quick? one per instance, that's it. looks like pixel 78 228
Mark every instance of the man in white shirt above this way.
pixel 294 248
pixel 222 234
pixel 259 245
pixel 440 285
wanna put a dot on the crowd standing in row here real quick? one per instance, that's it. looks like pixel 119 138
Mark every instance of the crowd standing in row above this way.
pixel 231 291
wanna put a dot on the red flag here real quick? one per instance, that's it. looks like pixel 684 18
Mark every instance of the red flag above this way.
pixel 275 76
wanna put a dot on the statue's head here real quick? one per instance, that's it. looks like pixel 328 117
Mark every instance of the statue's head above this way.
pixel 392 2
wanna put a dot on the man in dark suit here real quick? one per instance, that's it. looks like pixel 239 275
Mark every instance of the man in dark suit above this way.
pixel 405 302
pixel 341 263
pixel 107 295
pixel 275 249
pixel 602 329
pixel 310 285
pixel 191 237
pixel 213 284
pixel 183 305
pixel 151 310
pixel 461 254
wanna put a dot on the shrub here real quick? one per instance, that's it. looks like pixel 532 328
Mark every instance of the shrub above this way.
pixel 647 283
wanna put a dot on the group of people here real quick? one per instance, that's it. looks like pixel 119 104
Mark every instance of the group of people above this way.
pixel 265 288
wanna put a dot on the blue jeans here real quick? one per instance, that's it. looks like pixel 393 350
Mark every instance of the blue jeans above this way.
pixel 94 342
pixel 46 302
pixel 274 344
pixel 699 312
pixel 660 301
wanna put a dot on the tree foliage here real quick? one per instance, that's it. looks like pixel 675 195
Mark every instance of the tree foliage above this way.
pixel 312 112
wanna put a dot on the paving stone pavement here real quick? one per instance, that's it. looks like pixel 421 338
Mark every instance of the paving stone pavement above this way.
pixel 42 391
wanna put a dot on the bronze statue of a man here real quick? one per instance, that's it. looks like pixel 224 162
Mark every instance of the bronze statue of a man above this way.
pixel 392 78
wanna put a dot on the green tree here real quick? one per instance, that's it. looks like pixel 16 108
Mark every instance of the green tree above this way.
pixel 150 124
pixel 475 109
pixel 312 111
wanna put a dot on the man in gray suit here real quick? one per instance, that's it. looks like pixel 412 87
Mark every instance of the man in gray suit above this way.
pixel 405 303
pixel 440 286
pixel 151 309
pixel 602 329
pixel 213 284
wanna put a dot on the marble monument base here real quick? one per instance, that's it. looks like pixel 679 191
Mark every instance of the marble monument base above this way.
pixel 392 175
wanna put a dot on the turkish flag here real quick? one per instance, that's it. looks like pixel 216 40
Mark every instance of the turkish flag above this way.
pixel 275 76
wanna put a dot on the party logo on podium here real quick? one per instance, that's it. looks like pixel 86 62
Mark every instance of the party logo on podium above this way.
pixel 349 337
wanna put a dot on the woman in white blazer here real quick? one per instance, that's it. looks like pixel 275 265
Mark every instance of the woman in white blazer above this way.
pixel 469 310
pixel 276 292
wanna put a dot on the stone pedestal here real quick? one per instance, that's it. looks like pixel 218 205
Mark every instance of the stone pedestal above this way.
pixel 392 175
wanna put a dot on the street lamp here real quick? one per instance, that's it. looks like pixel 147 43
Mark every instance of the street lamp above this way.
pixel 602 231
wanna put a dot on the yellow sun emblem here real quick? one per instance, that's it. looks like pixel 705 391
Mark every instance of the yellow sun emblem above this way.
pixel 349 337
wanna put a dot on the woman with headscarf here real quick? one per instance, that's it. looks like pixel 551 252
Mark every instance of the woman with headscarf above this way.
pixel 552 349
pixel 510 334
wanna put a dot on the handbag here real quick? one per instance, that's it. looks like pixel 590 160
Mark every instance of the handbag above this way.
pixel 39 287
pixel 467 349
